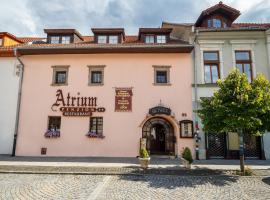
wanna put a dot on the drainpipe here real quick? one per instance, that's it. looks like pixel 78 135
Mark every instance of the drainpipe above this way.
pixel 18 102
pixel 196 93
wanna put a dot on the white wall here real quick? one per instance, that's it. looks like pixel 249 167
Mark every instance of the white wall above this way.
pixel 8 102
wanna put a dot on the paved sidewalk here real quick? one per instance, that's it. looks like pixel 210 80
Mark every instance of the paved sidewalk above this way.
pixel 156 162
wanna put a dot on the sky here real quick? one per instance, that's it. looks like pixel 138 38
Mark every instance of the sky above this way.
pixel 30 17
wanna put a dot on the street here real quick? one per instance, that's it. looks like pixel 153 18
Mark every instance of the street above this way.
pixel 112 187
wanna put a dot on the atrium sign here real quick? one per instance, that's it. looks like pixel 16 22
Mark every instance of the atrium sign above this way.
pixel 76 105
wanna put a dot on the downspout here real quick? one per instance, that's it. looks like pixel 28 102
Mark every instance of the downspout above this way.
pixel 18 102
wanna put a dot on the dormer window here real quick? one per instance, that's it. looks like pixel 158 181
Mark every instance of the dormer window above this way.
pixel 113 39
pixel 65 39
pixel 55 40
pixel 161 39
pixel 149 39
pixel 1 42
pixel 216 23
pixel 102 39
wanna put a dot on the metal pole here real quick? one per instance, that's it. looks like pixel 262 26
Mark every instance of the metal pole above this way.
pixel 241 151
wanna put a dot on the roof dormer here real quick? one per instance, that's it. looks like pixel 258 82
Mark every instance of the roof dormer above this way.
pixel 108 35
pixel 63 36
pixel 217 16
pixel 154 35
pixel 7 39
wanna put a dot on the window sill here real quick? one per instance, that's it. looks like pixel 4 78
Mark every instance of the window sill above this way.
pixel 206 85
pixel 92 135
pixel 59 84
pixel 95 84
pixel 162 84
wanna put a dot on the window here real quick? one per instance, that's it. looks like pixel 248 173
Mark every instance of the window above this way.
pixel 113 39
pixel 216 23
pixel 211 67
pixel 244 63
pixel 65 39
pixel 60 75
pixel 55 40
pixel 1 42
pixel 162 75
pixel 149 39
pixel 96 126
pixel 54 124
pixel 161 39
pixel 102 39
pixel 96 75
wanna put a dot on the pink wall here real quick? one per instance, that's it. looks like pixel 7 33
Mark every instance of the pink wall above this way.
pixel 122 130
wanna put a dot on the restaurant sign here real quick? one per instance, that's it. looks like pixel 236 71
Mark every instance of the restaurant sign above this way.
pixel 76 105
pixel 160 110
pixel 123 99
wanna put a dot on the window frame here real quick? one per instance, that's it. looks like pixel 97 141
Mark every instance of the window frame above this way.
pixel 91 121
pixel 211 63
pixel 165 39
pixel 92 68
pixel 150 35
pixel 59 68
pixel 65 36
pixel 110 36
pixel 48 123
pixel 55 36
pixel 2 42
pixel 243 62
pixel 162 68
pixel 106 39
pixel 210 22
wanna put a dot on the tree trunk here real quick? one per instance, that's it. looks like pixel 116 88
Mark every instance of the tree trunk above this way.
pixel 241 152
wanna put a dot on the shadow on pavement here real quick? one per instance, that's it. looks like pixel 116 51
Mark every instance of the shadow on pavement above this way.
pixel 266 180
pixel 182 178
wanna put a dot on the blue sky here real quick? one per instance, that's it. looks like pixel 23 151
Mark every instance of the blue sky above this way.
pixel 30 17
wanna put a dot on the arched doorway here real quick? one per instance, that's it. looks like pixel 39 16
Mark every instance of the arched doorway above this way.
pixel 159 134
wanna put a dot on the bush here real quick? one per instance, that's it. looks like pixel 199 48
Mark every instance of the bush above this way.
pixel 144 153
pixel 186 154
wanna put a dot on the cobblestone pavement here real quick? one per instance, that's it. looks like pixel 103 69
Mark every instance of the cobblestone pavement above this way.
pixel 149 187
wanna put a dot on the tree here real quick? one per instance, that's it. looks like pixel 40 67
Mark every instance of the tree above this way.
pixel 238 106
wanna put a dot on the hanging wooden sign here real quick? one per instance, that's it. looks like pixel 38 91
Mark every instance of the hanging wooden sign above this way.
pixel 123 99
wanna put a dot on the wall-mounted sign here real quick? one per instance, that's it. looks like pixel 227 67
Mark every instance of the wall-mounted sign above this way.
pixel 186 129
pixel 76 105
pixel 160 110
pixel 123 99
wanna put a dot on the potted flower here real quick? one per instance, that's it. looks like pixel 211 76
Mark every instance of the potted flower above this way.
pixel 187 158
pixel 172 155
pixel 144 158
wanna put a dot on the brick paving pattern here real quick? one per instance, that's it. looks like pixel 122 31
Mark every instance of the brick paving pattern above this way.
pixel 146 187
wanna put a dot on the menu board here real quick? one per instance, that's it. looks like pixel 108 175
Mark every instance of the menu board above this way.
pixel 123 99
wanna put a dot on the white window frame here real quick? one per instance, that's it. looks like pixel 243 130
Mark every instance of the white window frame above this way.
pixel 54 39
pixel 96 68
pixel 113 39
pixel 244 45
pixel 65 39
pixel 211 45
pixel 161 39
pixel 147 39
pixel 102 39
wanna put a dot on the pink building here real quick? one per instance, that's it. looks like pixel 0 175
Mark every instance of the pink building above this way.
pixel 98 96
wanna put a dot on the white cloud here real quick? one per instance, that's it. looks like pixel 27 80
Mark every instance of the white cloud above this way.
pixel 30 17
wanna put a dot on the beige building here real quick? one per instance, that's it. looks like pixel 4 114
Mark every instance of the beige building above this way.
pixel 221 45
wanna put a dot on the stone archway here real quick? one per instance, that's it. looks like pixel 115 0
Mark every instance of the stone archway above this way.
pixel 159 134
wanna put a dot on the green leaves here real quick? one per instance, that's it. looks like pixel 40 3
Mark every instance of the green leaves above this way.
pixel 238 104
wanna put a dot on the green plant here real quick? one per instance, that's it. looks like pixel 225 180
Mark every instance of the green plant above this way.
pixel 144 153
pixel 186 154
